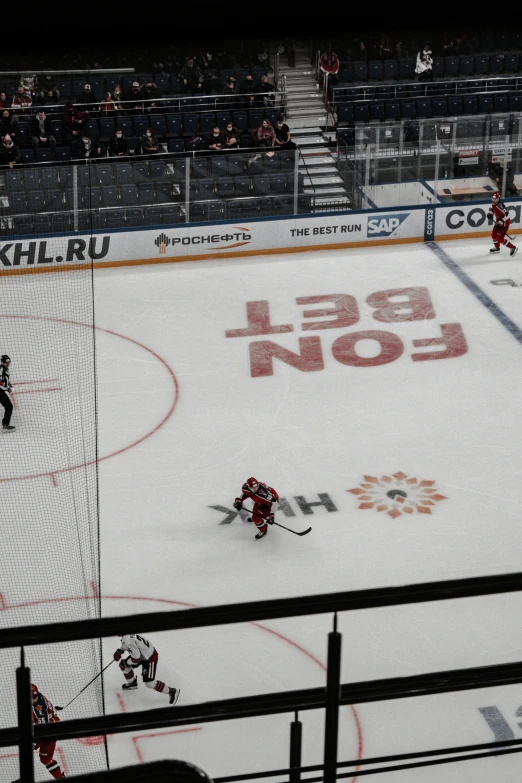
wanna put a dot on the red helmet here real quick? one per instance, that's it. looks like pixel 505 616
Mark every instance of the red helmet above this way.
pixel 252 484
pixel 495 196
pixel 34 691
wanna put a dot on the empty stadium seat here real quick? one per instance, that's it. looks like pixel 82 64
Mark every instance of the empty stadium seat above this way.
pixel 236 165
pixel 454 103
pixel 423 108
pixel 107 128
pixel 496 63
pixel 176 145
pixel 103 174
pixel 407 110
pixel 124 174
pixel 140 125
pixel 140 172
pixel 511 63
pixel 206 189
pixel 439 107
pixel 438 67
pixel 466 65
pixel 164 191
pixel 360 71
pixel 469 104
pixel 219 167
pixel 199 168
pixel 173 125
pixel 515 102
pixel 190 124
pixel 451 66
pixel 157 123
pixel 361 112
pixel 134 216
pixel 345 114
pixel 146 193
pixel 225 187
pixel 125 125
pixel 31 178
pixel 110 195
pixel 63 153
pixel 240 120
pixel 375 70
pixel 391 70
pixel 407 69
pixel 482 64
pixel 485 104
pixel 129 195
pixel 500 102
pixel 278 183
pixel 376 111
pixel 223 118
pixel 393 110
pixel 207 122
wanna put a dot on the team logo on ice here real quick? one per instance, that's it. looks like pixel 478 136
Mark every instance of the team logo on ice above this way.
pixel 385 226
pixel 397 494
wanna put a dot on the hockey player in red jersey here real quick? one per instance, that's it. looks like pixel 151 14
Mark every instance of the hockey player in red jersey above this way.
pixel 43 712
pixel 501 221
pixel 263 497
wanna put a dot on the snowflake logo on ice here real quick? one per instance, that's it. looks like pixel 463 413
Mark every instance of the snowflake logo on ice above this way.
pixel 397 494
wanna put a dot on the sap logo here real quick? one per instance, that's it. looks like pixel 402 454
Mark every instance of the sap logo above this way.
pixel 385 226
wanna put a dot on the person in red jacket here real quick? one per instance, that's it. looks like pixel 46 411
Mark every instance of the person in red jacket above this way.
pixel 43 712
pixel 501 222
pixel 263 497
pixel 330 65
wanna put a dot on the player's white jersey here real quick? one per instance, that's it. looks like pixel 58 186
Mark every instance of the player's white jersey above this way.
pixel 139 647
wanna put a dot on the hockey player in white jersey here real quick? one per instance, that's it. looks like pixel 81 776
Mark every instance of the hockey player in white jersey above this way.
pixel 142 653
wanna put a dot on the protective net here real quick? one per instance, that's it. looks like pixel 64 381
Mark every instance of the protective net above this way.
pixel 48 475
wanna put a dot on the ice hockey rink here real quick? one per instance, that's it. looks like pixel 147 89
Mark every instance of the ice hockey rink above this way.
pixel 394 408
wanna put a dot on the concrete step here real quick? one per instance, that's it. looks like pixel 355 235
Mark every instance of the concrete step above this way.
pixel 318 153
pixel 306 111
pixel 319 162
pixel 318 171
pixel 297 89
pixel 323 181
pixel 333 190
pixel 312 95
pixel 299 124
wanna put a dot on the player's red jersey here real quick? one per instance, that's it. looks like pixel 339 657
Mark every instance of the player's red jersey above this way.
pixel 264 495
pixel 43 711
pixel 500 215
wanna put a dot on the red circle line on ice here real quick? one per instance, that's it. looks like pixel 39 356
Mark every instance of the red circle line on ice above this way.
pixel 53 473
pixel 4 606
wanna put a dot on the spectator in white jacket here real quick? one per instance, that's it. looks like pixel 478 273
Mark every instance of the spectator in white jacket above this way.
pixel 424 66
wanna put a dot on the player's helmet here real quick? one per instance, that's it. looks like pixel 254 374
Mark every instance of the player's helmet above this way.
pixel 252 484
pixel 495 197
pixel 34 691
pixel 5 358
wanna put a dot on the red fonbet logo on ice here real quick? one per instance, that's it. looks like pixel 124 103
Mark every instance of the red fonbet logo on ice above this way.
pixel 389 306
pixel 397 494
pixel 241 237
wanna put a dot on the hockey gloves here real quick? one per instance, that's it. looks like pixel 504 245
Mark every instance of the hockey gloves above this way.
pixel 238 505
pixel 117 655
pixel 270 519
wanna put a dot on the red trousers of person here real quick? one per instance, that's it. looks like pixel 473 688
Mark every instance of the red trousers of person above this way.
pixel 46 751
pixel 498 235
pixel 259 514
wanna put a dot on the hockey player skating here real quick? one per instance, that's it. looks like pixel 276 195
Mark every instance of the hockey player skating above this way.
pixel 263 497
pixel 5 390
pixel 501 222
pixel 43 712
pixel 144 654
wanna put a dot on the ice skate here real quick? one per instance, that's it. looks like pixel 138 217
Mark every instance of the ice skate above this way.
pixel 173 695
pixel 129 686
pixel 513 251
pixel 261 535
pixel 8 427
pixel 494 250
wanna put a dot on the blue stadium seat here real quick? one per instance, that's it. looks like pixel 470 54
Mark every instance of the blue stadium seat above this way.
pixel 393 110
pixel 360 72
pixel 199 168
pixel 407 69
pixel 134 145
pixel 346 74
pixel 107 128
pixel 240 120
pixel 53 200
pixel 223 118
pixel 173 214
pixel 134 217
pixel 407 110
pixel 23 136
pixel 140 125
pixel 496 63
pixel 43 154
pixel 384 92
pixel 500 103
pixel 469 104
pixel 41 223
pixel 63 153
pixel 272 115
pixel 129 195
pixel 190 124
pixel 375 71
pixel 515 102
pixel 376 111
pixel 451 66
pixel 454 103
pixel 207 122
pixel 194 189
pixel 157 169
pixel 154 216
pixel 18 202
pixel 466 65
pixel 173 125
pixel 15 179
pixel 206 189
pixel 219 167
pixel 485 104
pixel 103 174
pixel 176 145
pixel 140 172
pixel 164 191
pixel 502 40
pixel 91 198
pixel 255 118
pixel 482 64
pixel 391 70
pixel 123 174
pixel 423 108
pixel 236 165
pixel 438 67
pixel 225 187
pixel 110 196
pixel 157 123
pixel 361 113
pixel 511 63
pixel 345 114
pixel 438 107
pixel 31 179
pixel 176 85
pixel 262 185
pixel 62 221
pixel 242 186
pixel 146 193
pixel 193 145
pixel 278 183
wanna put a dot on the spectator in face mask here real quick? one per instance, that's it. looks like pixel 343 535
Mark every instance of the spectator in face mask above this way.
pixel 8 124
pixel 9 152
pixel 134 96
pixel 231 137
pixel 231 90
pixel 215 140
pixel 246 89
pixel 117 97
pixel 149 142
pixel 88 99
pixel 118 144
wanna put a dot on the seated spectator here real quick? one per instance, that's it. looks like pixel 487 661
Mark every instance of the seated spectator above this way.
pixel 88 99
pixel 4 101
pixel 265 135
pixel 50 98
pixel 282 136
pixel 85 146
pixel 133 96
pixel 8 124
pixel 215 141
pixel 9 152
pixel 247 89
pixel 41 132
pixel 149 142
pixel 28 82
pixel 118 145
pixel 47 82
pixel 107 106
pixel 192 77
pixel 73 121
pixel 330 65
pixel 231 137
pixel 149 92
pixel 22 102
pixel 231 91
pixel 266 90
pixel 424 66
pixel 401 53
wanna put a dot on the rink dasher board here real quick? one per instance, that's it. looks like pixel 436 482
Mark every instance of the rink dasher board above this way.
pixel 252 237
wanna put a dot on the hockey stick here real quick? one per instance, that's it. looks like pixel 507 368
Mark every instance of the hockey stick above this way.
pixel 89 683
pixel 295 532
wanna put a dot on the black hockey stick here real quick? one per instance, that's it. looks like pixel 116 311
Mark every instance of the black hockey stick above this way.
pixel 295 532
pixel 89 683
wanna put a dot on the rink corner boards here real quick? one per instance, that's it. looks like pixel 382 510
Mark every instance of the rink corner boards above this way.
pixel 22 254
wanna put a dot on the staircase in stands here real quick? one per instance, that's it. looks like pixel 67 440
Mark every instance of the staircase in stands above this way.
pixel 307 121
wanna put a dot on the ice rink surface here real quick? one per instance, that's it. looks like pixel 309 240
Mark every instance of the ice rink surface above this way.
pixel 400 421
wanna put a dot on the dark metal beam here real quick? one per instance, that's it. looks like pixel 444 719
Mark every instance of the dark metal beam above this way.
pixel 262 610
